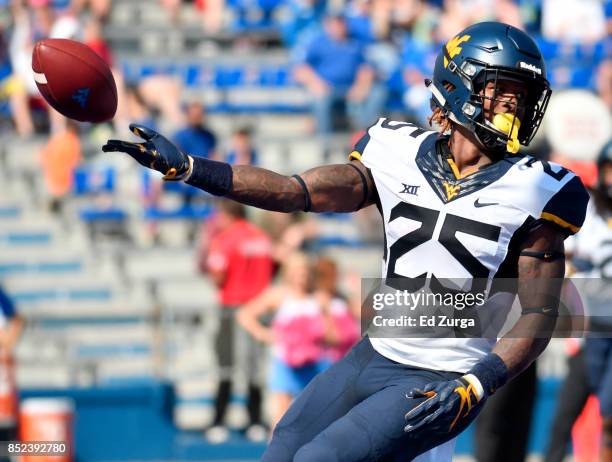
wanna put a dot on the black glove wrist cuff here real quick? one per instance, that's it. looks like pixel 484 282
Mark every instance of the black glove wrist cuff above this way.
pixel 491 371
pixel 211 176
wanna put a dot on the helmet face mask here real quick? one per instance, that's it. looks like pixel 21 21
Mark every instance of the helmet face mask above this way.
pixel 488 66
pixel 524 100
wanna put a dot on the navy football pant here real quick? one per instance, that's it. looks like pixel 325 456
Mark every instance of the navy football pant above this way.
pixel 355 411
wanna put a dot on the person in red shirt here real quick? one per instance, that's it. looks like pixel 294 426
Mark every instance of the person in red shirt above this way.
pixel 239 261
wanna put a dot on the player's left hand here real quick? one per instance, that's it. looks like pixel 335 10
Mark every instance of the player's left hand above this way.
pixel 449 405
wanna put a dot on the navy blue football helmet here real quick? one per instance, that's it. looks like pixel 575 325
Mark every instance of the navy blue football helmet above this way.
pixel 491 52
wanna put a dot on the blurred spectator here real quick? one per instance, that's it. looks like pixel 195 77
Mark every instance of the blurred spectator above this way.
pixel 239 262
pixel 242 152
pixel 604 82
pixel 13 89
pixel 173 9
pixel 414 16
pixel 300 18
pixel 458 14
pixel 297 333
pixel 99 9
pixel 418 60
pixel 491 436
pixel 573 396
pixel 335 73
pixel 359 21
pixel 137 109
pixel 163 93
pixel 591 246
pixel 31 23
pixel 11 326
pixel 66 23
pixel 93 38
pixel 212 14
pixel 508 11
pixel 342 327
pixel 196 139
pixel 251 15
pixel 59 158
pixel 293 234
pixel 574 21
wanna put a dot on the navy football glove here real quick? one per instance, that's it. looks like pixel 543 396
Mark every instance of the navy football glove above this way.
pixel 156 153
pixel 449 405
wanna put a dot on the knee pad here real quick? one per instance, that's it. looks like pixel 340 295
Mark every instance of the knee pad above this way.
pixel 316 452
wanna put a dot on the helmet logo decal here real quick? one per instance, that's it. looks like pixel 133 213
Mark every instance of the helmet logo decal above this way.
pixel 451 190
pixel 453 47
pixel 530 67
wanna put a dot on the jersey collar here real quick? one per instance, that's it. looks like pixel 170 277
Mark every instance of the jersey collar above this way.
pixel 437 166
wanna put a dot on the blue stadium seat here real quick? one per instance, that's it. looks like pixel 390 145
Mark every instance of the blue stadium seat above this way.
pixel 26 237
pixel 10 211
pixel 91 180
pixel 68 266
pixel 41 295
pixel 92 214
pixel 198 213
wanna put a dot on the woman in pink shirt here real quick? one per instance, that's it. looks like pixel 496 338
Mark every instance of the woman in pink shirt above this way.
pixel 297 333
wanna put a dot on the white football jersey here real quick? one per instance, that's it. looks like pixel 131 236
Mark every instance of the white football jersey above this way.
pixel 593 246
pixel 440 225
pixel 594 243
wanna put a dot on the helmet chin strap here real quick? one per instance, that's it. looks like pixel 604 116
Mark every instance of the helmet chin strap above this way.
pixel 487 140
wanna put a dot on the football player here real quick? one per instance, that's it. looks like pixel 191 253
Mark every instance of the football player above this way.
pixel 592 247
pixel 458 203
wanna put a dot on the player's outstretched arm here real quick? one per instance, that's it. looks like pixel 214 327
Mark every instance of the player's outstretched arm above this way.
pixel 329 188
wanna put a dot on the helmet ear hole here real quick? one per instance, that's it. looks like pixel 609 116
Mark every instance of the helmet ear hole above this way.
pixel 448 86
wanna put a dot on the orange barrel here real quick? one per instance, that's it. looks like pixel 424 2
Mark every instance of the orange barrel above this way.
pixel 47 419
pixel 8 394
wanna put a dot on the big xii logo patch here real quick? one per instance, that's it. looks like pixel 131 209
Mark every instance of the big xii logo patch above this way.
pixel 410 189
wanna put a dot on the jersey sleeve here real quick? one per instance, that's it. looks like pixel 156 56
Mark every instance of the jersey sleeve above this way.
pixel 359 147
pixel 388 144
pixel 568 206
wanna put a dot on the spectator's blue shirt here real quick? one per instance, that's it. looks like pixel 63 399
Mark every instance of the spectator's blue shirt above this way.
pixel 301 16
pixel 360 27
pixel 335 62
pixel 419 56
pixel 7 308
pixel 197 141
pixel 231 157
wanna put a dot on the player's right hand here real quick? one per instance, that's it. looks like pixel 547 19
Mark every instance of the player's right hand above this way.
pixel 157 153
